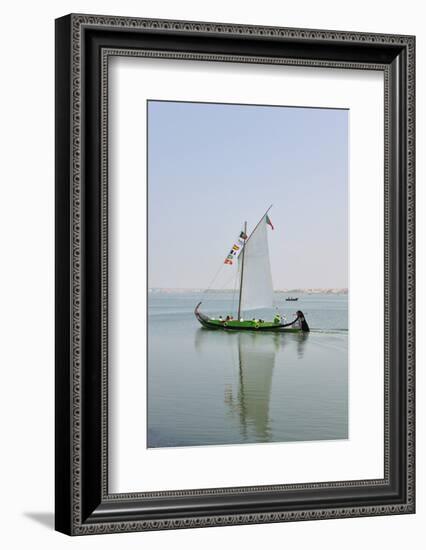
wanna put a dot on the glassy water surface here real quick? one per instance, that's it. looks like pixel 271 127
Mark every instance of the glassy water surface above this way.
pixel 214 388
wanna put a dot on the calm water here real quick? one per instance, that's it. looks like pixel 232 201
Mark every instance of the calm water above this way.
pixel 213 388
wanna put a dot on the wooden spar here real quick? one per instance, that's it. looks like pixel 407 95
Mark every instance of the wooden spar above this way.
pixel 242 274
pixel 257 225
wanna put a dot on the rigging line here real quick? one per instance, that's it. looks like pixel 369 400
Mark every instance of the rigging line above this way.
pixel 214 278
pixel 222 265
pixel 227 281
pixel 224 285
pixel 234 290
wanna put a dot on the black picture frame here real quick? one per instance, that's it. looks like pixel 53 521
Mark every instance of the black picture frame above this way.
pixel 83 504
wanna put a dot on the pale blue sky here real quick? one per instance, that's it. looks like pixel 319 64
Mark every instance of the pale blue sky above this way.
pixel 213 166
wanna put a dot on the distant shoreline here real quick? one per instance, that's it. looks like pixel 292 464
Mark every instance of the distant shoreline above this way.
pixel 334 291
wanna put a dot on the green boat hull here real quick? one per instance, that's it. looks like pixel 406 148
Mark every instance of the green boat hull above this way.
pixel 298 325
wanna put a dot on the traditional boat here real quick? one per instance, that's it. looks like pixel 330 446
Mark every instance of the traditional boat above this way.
pixel 251 252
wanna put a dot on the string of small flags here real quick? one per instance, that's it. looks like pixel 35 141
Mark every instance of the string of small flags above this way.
pixel 236 249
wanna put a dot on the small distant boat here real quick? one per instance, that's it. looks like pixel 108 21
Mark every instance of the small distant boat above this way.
pixel 251 252
pixel 289 299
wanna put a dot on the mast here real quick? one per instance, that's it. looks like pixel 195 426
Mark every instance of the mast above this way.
pixel 242 275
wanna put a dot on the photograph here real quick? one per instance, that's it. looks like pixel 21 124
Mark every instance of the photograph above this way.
pixel 248 263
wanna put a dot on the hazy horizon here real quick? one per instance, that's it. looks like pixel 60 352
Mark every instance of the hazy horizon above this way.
pixel 230 290
pixel 213 166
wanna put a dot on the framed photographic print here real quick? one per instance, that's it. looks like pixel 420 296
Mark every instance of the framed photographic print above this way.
pixel 234 274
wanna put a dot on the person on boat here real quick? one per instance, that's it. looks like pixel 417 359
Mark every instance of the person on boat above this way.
pixel 277 319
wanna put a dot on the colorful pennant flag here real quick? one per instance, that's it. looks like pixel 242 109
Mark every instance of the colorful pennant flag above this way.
pixel 236 248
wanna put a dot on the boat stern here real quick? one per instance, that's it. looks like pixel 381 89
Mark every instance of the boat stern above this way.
pixel 302 320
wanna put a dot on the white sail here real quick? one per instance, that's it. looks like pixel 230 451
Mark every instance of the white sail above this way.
pixel 256 291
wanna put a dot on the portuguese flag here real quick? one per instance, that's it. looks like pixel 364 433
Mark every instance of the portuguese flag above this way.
pixel 268 221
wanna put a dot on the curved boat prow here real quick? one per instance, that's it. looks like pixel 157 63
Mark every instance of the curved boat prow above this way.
pixel 303 323
pixel 203 319
pixel 197 313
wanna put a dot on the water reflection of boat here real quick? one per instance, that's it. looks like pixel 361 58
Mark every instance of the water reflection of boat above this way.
pixel 255 370
pixel 253 359
pixel 205 339
pixel 301 343
pixel 257 358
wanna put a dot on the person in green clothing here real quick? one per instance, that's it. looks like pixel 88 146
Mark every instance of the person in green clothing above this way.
pixel 277 319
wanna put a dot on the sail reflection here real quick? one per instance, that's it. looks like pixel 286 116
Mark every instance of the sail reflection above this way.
pixel 256 362
pixel 254 357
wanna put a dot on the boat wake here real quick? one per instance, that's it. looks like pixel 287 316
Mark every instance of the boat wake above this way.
pixel 329 331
